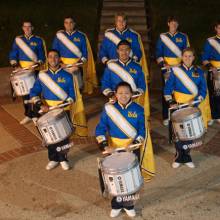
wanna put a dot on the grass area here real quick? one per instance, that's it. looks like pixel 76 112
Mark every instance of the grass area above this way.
pixel 47 17
pixel 196 18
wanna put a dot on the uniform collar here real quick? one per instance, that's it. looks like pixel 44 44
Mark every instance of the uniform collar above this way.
pixel 172 35
pixel 70 33
pixel 218 36
pixel 186 67
pixel 124 64
pixel 28 38
pixel 125 107
pixel 55 72
pixel 121 32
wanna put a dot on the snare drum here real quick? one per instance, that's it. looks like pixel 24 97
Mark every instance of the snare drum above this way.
pixel 121 173
pixel 187 124
pixel 22 82
pixel 54 126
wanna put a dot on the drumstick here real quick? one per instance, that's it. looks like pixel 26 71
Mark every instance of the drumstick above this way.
pixel 72 65
pixel 56 107
pixel 184 105
pixel 135 96
pixel 26 68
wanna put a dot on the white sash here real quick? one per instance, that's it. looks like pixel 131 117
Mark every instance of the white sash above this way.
pixel 52 86
pixel 26 49
pixel 186 81
pixel 171 45
pixel 69 44
pixel 120 121
pixel 214 43
pixel 123 74
pixel 112 37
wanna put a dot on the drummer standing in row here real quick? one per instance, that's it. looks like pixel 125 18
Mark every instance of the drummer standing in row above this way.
pixel 211 60
pixel 112 36
pixel 54 86
pixel 27 50
pixel 123 123
pixel 169 53
pixel 74 47
pixel 185 85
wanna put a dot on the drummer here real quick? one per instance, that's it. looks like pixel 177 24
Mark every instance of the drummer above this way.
pixel 185 85
pixel 124 123
pixel 55 86
pixel 28 50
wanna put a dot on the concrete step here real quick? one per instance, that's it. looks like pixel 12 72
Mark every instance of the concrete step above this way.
pixel 136 12
pixel 127 4
pixel 131 20
pixel 136 27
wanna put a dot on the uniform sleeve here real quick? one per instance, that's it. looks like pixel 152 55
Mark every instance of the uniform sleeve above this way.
pixel 55 44
pixel 136 49
pixel 141 131
pixel 42 51
pixel 206 52
pixel 169 86
pixel 202 87
pixel 37 89
pixel 13 55
pixel 84 48
pixel 103 51
pixel 141 84
pixel 71 91
pixel 187 43
pixel 102 128
pixel 106 86
pixel 159 50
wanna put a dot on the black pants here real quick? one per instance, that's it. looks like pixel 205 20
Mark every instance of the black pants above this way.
pixel 214 100
pixel 116 202
pixel 164 103
pixel 27 107
pixel 182 155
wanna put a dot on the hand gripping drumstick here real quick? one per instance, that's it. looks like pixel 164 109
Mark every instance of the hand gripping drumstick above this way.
pixel 169 114
pixel 26 68
pixel 128 149
pixel 56 107
pixel 72 65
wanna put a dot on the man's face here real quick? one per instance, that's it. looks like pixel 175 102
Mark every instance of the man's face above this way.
pixel 217 29
pixel 173 26
pixel 123 95
pixel 53 59
pixel 124 52
pixel 27 28
pixel 188 58
pixel 69 24
pixel 120 23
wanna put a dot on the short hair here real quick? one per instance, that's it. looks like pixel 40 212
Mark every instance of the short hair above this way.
pixel 172 18
pixel 189 49
pixel 121 14
pixel 69 17
pixel 123 42
pixel 26 21
pixel 123 84
pixel 53 50
pixel 217 23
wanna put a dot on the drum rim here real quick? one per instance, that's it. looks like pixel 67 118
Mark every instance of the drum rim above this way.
pixel 59 116
pixel 187 118
pixel 191 139
pixel 119 170
pixel 22 73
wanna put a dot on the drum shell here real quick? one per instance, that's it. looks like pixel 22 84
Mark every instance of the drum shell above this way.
pixel 55 129
pixel 124 181
pixel 190 127
pixel 22 82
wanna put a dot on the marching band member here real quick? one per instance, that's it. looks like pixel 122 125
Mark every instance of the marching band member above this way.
pixel 55 86
pixel 211 60
pixel 74 47
pixel 124 122
pixel 185 85
pixel 108 48
pixel 27 50
pixel 125 69
pixel 169 53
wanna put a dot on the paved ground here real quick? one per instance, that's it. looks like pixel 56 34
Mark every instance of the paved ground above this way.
pixel 29 192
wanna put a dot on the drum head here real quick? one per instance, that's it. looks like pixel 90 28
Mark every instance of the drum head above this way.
pixel 119 162
pixel 185 114
pixel 50 115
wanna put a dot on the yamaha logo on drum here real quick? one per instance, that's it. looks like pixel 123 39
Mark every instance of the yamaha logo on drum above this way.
pixel 121 185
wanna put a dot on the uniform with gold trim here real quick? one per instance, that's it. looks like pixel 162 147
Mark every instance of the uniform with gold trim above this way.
pixel 111 76
pixel 185 85
pixel 169 51
pixel 211 58
pixel 20 55
pixel 51 97
pixel 109 131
